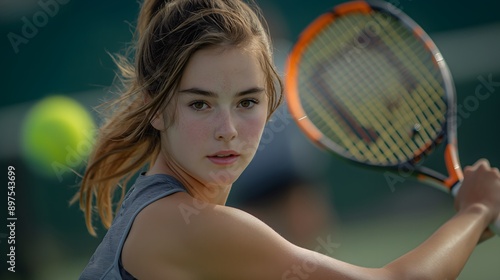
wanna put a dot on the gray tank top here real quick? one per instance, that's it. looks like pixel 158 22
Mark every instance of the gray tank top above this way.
pixel 106 261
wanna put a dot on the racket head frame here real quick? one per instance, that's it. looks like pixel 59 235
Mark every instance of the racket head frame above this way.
pixel 448 129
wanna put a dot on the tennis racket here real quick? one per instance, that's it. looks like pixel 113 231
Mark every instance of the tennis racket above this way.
pixel 367 83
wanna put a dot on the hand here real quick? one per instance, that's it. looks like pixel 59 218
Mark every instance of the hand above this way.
pixel 481 186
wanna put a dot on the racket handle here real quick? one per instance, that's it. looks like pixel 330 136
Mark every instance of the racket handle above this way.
pixel 495 226
pixel 455 188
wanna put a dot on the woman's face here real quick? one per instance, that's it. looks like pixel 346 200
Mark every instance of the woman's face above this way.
pixel 221 113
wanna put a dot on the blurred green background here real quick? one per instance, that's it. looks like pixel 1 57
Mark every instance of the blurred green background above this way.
pixel 374 223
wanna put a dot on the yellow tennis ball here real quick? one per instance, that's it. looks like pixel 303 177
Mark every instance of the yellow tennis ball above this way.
pixel 57 136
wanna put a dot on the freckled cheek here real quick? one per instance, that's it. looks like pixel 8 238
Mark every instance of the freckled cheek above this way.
pixel 187 134
pixel 196 133
pixel 252 129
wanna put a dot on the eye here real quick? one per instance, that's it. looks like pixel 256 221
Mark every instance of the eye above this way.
pixel 199 105
pixel 248 103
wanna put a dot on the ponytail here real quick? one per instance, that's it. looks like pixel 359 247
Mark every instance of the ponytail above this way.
pixel 126 141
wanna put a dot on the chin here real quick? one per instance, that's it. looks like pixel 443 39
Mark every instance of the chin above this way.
pixel 224 177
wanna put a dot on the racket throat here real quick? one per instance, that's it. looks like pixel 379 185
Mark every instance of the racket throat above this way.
pixel 456 175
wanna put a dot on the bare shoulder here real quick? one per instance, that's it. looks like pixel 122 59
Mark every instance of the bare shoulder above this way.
pixel 183 238
pixel 156 239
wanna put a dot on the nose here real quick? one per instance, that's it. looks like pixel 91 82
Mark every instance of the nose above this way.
pixel 225 129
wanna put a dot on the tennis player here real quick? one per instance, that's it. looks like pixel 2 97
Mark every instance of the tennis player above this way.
pixel 194 104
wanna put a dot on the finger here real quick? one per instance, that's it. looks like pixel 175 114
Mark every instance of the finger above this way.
pixel 496 171
pixel 483 163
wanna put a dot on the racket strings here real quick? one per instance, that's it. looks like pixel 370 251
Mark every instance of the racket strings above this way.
pixel 366 113
pixel 319 102
pixel 434 107
pixel 359 148
pixel 420 61
pixel 385 150
pixel 387 86
pixel 401 34
pixel 354 87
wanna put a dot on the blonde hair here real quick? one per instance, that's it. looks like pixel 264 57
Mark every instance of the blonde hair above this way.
pixel 168 33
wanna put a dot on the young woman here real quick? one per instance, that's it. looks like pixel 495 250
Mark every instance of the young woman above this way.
pixel 195 103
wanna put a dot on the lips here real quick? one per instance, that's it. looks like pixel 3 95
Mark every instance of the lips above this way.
pixel 224 157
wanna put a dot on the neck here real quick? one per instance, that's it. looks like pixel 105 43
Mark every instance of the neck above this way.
pixel 211 193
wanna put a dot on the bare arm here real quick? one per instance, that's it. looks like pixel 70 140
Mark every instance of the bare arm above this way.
pixel 225 243
pixel 256 252
pixel 444 254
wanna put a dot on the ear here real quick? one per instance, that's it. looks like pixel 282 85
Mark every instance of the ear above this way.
pixel 158 121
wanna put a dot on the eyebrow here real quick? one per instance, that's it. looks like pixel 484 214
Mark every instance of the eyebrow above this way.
pixel 208 93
